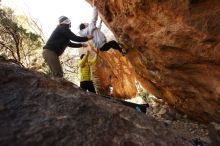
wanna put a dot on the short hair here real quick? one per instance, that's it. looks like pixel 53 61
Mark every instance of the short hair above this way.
pixel 81 57
pixel 82 26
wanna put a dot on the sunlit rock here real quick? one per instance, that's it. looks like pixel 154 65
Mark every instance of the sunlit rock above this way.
pixel 174 50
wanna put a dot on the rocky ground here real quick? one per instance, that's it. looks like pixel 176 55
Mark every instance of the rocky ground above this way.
pixel 190 130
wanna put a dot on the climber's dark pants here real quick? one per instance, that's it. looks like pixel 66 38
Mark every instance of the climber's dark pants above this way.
pixel 112 44
pixel 87 85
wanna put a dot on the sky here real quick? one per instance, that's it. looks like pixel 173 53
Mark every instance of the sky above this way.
pixel 47 12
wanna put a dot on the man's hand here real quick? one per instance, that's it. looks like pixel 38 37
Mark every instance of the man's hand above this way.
pixel 94 49
pixel 89 37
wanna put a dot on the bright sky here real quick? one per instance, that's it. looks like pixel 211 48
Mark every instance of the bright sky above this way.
pixel 47 12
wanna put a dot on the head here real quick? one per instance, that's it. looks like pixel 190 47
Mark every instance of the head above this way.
pixel 81 57
pixel 64 20
pixel 83 26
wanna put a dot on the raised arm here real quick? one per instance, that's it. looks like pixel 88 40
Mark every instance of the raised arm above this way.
pixel 93 61
pixel 69 34
pixel 84 59
pixel 100 25
pixel 95 14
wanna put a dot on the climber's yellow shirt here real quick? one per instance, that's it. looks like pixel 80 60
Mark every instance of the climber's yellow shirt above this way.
pixel 84 68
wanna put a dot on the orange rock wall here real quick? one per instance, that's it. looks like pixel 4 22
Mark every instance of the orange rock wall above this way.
pixel 174 49
pixel 114 69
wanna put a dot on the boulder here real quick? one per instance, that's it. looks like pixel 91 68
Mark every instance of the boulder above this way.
pixel 37 110
pixel 173 48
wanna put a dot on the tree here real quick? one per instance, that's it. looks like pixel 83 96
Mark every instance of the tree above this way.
pixel 70 63
pixel 9 39
pixel 17 41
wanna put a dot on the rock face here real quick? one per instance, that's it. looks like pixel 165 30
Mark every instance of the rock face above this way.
pixel 214 132
pixel 174 49
pixel 36 110
pixel 115 70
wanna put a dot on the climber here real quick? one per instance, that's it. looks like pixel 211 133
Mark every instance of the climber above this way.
pixel 85 71
pixel 99 38
pixel 58 41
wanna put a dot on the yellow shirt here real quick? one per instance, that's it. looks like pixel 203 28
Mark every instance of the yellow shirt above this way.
pixel 84 68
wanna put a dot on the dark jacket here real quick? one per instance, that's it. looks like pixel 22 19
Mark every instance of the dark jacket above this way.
pixel 61 38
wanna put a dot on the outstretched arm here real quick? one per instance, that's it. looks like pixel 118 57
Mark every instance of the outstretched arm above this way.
pixel 94 49
pixel 69 34
pixel 76 45
pixel 94 60
pixel 84 59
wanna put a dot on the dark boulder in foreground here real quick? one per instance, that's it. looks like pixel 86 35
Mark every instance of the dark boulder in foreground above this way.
pixel 36 110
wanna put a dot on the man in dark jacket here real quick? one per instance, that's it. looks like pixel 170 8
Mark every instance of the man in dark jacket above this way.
pixel 57 43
